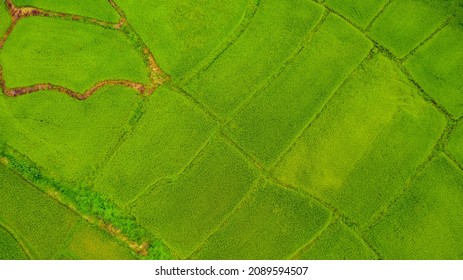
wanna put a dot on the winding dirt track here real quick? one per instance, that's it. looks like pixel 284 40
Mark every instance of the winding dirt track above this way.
pixel 157 76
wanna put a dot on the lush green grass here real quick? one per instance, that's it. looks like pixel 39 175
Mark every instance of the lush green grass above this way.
pixel 183 33
pixel 10 249
pixel 184 211
pixel 438 65
pixel 426 222
pixel 288 103
pixel 360 12
pixel 85 54
pixel 89 8
pixel 270 39
pixel 5 19
pixel 91 243
pixel 366 144
pixel 168 136
pixel 338 242
pixel 71 140
pixel 400 30
pixel 37 219
pixel 272 223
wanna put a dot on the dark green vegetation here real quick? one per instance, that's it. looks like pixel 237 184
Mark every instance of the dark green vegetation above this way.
pixel 249 129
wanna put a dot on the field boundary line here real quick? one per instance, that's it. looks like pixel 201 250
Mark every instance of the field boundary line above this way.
pixel 384 209
pixel 306 246
pixel 226 219
pixel 427 39
pixel 54 192
pixel 299 48
pixel 156 76
pixel 26 248
pixel 171 178
pixel 375 17
pixel 209 113
pixel 206 63
pixel 321 109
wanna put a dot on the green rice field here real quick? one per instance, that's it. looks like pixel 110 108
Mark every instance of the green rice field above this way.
pixel 244 129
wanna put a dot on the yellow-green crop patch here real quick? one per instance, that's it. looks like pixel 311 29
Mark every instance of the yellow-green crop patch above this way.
pixel 366 144
pixel 323 69
pixel 338 242
pixel 5 19
pixel 91 243
pixel 423 224
pixel 34 217
pixel 438 65
pixel 98 9
pixel 73 139
pixel 10 249
pixel 169 134
pixel 86 54
pixel 401 31
pixel 183 33
pixel 185 210
pixel 271 223
pixel 270 39
pixel 360 12
pixel 241 129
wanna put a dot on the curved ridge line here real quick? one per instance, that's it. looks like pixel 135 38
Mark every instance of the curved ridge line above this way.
pixel 14 92
pixel 156 75
pixel 22 244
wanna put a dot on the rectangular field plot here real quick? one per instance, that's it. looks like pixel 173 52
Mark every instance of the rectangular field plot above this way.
pixel 426 223
pixel 183 33
pixel 338 242
pixel 71 140
pixel 272 36
pixel 365 144
pixel 90 243
pixel 184 211
pixel 36 219
pixel 272 223
pixel 437 67
pixel 401 30
pixel 268 125
pixel 167 137
pixel 98 9
pixel 359 11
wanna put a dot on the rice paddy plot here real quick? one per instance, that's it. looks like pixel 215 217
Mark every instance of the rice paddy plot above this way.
pixel 98 9
pixel 91 243
pixel 437 67
pixel 184 211
pixel 271 223
pixel 425 223
pixel 5 19
pixel 270 39
pixel 167 137
pixel 10 249
pixel 183 33
pixel 337 242
pixel 35 218
pixel 366 143
pixel 401 31
pixel 360 12
pixel 267 126
pixel 71 140
pixel 72 54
